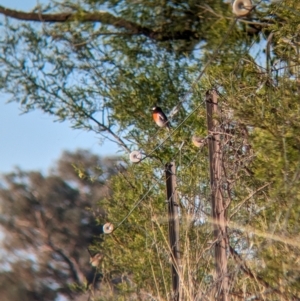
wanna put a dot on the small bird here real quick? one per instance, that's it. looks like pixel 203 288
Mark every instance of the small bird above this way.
pixel 160 118
pixel 198 141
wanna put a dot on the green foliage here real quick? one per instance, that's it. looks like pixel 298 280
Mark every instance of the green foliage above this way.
pixel 104 76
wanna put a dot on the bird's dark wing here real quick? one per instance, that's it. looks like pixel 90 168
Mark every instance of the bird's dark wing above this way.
pixel 163 117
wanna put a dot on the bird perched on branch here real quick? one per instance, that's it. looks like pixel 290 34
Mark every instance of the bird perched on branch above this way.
pixel 160 118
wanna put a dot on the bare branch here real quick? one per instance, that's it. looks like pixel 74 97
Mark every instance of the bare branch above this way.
pixel 103 127
pixel 100 17
pixel 235 210
pixel 75 271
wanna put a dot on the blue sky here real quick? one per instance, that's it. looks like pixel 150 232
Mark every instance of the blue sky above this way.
pixel 34 141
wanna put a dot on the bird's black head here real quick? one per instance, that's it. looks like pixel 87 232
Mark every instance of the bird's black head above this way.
pixel 156 109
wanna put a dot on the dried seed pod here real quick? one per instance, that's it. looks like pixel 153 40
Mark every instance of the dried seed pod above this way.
pixel 95 260
pixel 198 141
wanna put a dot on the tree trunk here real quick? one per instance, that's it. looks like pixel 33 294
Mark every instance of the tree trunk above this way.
pixel 220 293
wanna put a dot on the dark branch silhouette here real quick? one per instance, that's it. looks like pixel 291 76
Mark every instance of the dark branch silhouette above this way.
pixel 100 17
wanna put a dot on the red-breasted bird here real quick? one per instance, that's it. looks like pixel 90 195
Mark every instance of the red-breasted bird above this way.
pixel 160 118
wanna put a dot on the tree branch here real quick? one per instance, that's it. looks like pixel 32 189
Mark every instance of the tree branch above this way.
pixel 75 271
pixel 101 17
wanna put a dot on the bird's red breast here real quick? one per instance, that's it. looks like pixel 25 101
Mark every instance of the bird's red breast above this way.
pixel 156 117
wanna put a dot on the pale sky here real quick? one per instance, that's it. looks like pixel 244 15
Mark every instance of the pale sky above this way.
pixel 33 141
